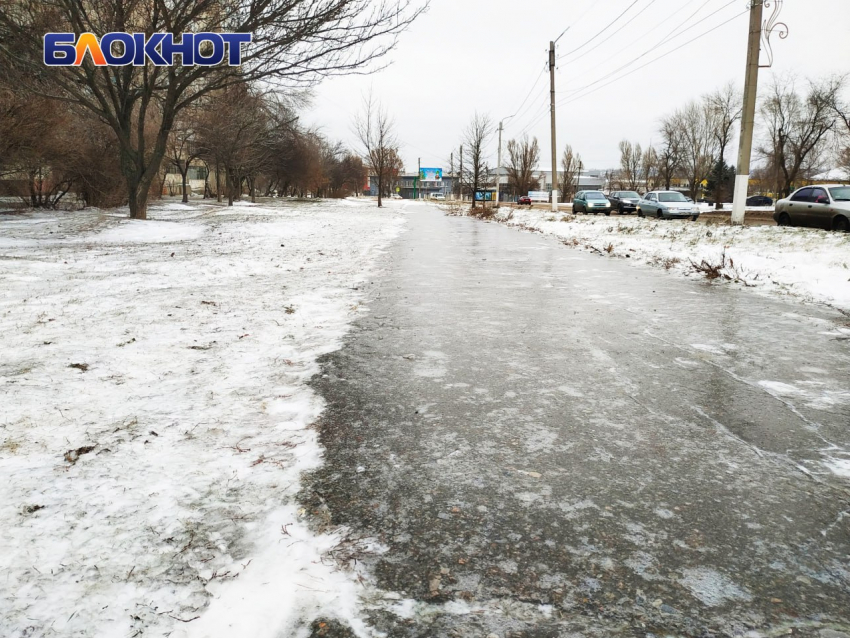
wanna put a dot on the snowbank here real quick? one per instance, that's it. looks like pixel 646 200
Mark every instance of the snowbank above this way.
pixel 813 265
pixel 155 415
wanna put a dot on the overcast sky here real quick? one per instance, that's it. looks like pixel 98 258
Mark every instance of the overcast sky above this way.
pixel 488 56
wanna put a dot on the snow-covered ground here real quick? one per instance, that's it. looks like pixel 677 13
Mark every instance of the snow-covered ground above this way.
pixel 813 265
pixel 154 419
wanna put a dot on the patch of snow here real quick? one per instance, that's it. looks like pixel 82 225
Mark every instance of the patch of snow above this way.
pixel 156 417
pixel 841 467
pixel 808 263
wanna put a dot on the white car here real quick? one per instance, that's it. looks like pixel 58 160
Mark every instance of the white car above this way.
pixel 667 205
pixel 438 196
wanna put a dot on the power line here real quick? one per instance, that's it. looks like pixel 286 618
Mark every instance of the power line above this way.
pixel 601 42
pixel 652 29
pixel 568 53
pixel 528 95
pixel 653 48
pixel 664 55
pixel 691 41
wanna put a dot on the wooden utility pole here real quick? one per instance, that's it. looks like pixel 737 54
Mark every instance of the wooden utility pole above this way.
pixel 552 108
pixel 742 178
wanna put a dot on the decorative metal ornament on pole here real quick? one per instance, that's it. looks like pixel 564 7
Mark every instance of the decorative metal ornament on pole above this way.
pixel 760 32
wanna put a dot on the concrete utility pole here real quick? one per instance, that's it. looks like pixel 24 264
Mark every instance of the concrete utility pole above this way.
pixel 451 171
pixel 742 178
pixel 460 174
pixel 498 162
pixel 418 177
pixel 552 107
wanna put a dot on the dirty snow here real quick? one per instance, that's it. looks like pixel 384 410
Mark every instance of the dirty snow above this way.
pixel 810 264
pixel 155 417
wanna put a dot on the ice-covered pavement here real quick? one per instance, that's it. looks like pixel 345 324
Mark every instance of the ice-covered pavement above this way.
pixel 806 263
pixel 154 415
pixel 546 442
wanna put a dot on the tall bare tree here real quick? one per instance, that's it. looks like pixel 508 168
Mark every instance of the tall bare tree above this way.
pixel 523 156
pixel 630 161
pixel 475 136
pixel 670 151
pixel 725 106
pixel 570 169
pixel 296 42
pixel 698 144
pixel 797 129
pixel 649 168
pixel 376 131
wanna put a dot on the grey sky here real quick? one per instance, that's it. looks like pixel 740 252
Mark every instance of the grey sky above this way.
pixel 463 56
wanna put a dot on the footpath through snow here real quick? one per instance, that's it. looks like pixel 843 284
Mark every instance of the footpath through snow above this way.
pixel 813 265
pixel 154 420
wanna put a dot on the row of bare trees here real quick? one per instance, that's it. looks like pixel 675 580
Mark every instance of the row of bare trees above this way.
pixel 295 44
pixel 242 139
pixel 800 133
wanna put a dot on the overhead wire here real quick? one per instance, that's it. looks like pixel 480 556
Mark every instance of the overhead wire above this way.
pixel 605 28
pixel 662 42
pixel 569 100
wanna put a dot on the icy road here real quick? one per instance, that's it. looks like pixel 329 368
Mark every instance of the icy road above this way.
pixel 545 442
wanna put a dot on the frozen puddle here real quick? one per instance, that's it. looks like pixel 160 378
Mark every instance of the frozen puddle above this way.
pixel 712 588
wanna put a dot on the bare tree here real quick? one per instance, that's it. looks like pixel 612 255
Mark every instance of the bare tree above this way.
pixel 376 131
pixel 670 153
pixel 570 169
pixel 523 157
pixel 295 43
pixel 797 130
pixel 649 168
pixel 725 106
pixel 475 137
pixel 630 161
pixel 698 144
pixel 182 147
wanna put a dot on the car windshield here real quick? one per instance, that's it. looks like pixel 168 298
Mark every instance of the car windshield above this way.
pixel 629 194
pixel 594 195
pixel 841 194
pixel 671 197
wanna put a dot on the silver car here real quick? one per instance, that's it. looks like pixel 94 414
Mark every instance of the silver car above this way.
pixel 826 206
pixel 667 204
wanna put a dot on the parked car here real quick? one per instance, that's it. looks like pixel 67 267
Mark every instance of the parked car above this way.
pixel 525 200
pixel 826 206
pixel 759 200
pixel 395 196
pixel 624 201
pixel 667 204
pixel 591 202
pixel 439 196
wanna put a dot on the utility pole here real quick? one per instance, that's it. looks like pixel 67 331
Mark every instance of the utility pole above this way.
pixel 418 176
pixel 460 175
pixel 552 108
pixel 742 178
pixel 451 170
pixel 498 163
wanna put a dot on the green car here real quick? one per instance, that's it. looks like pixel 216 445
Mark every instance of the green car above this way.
pixel 591 202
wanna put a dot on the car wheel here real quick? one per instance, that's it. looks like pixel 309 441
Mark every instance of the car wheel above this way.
pixel 784 220
pixel 640 212
pixel 607 213
pixel 694 218
pixel 841 224
pixel 658 215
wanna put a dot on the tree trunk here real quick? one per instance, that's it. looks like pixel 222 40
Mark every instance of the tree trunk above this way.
pixel 217 183
pixel 185 192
